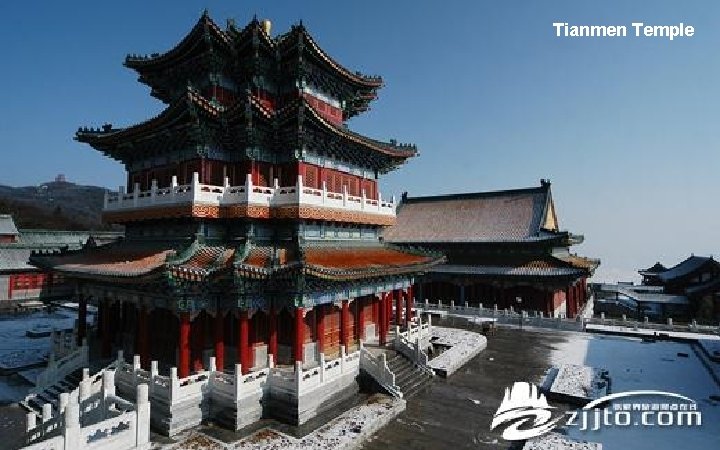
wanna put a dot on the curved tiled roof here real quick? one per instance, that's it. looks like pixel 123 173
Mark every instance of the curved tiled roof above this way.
pixel 685 268
pixel 525 270
pixel 192 41
pixel 125 259
pixel 503 216
pixel 343 263
pixel 7 225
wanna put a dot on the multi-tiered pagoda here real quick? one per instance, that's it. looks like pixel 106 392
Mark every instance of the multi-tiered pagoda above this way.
pixel 252 212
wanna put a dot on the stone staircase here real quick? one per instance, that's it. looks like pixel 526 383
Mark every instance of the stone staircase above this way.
pixel 408 377
pixel 51 394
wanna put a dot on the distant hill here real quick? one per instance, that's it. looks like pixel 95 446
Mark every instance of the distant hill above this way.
pixel 57 205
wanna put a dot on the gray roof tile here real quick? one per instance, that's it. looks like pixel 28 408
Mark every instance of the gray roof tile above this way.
pixel 503 216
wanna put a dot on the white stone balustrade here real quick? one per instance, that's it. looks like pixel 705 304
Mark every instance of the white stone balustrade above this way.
pixel 301 381
pixel 114 423
pixel 59 368
pixel 250 194
pixel 377 368
pixel 413 342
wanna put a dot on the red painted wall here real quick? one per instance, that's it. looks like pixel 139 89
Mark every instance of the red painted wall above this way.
pixel 313 176
pixel 326 111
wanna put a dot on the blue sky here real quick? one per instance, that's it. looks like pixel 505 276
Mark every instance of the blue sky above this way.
pixel 626 128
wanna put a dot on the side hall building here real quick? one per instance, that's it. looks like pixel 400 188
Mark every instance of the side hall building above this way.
pixel 503 248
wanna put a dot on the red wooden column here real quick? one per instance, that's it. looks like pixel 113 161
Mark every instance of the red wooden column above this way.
pixel 382 312
pixel 243 348
pixel 549 303
pixel 320 327
pixel 198 334
pixel 272 338
pixel 219 340
pixel 82 318
pixel 398 306
pixel 376 314
pixel 106 346
pixel 388 310
pixel 143 341
pixel 409 305
pixel 360 314
pixel 184 346
pixel 299 335
pixel 344 325
pixel 570 301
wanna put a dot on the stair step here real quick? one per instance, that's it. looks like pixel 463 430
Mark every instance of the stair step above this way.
pixel 42 398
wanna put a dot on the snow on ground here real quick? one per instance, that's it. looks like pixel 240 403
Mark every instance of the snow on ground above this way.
pixel 556 441
pixel 581 382
pixel 636 365
pixel 18 350
pixel 648 332
pixel 464 345
pixel 347 431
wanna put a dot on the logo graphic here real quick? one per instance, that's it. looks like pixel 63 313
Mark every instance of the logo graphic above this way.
pixel 524 406
pixel 526 413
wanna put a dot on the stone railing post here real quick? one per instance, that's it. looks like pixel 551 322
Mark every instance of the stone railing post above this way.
pixel 299 185
pixel 136 367
pixel 195 184
pixel 154 372
pixel 174 385
pixel 108 384
pixel 670 321
pixel 46 412
pixel 298 376
pixel 238 380
pixel 83 395
pixel 322 366
pixel 342 359
pixel 31 422
pixel 452 305
pixel 142 423
pixel 270 361
pixel 344 195
pixel 324 191
pixel 136 192
pixel 212 367
pixel 72 427
pixel 153 190
pixel 64 400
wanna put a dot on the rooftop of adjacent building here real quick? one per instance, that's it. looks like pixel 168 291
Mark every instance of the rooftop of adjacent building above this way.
pixel 513 215
pixel 15 253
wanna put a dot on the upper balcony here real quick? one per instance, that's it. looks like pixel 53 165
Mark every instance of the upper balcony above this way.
pixel 246 201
